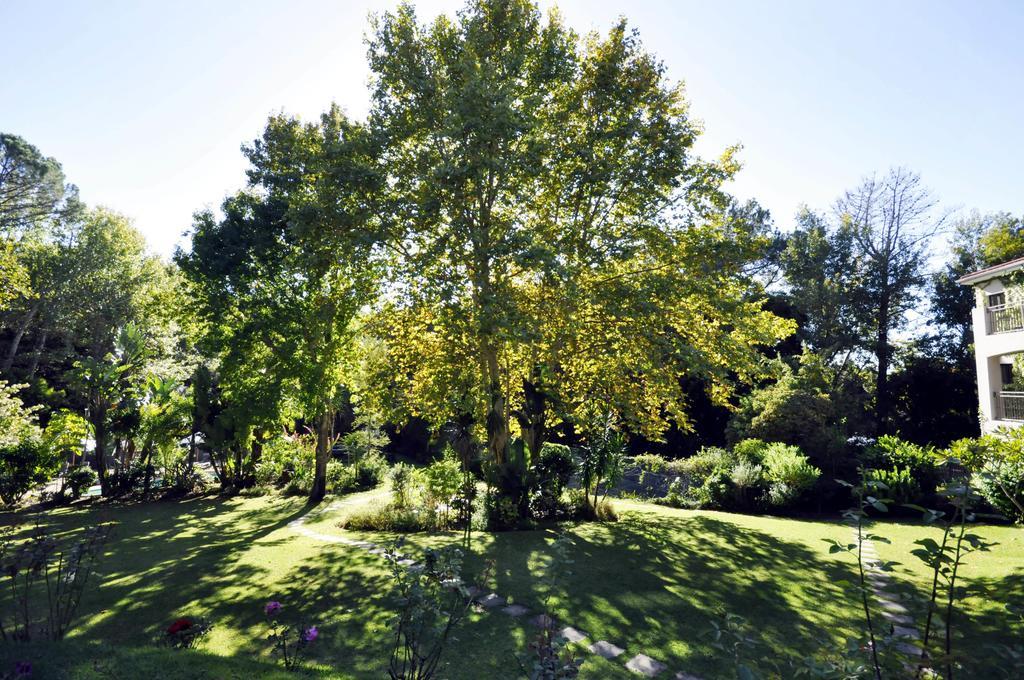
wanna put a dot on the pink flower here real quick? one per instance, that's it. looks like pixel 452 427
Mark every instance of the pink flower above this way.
pixel 310 634
pixel 272 608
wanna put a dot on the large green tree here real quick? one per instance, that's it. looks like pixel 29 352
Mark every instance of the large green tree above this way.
pixel 562 249
pixel 281 278
pixel 893 220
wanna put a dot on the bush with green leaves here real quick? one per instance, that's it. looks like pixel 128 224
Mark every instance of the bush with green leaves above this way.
pixel 997 466
pixel 287 460
pixel 788 472
pixel 651 462
pixel 912 467
pixel 901 487
pixel 79 480
pixel 442 480
pixel 24 465
pixel 800 408
pixel 1002 487
pixel 750 450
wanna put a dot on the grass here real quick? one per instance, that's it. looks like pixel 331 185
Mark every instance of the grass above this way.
pixel 650 583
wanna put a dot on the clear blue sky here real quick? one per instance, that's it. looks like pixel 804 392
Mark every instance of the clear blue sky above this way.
pixel 146 103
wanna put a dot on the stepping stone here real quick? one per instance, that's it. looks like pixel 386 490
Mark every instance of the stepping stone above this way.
pixel 898 618
pixel 543 621
pixel 605 649
pixel 572 635
pixel 890 606
pixel 645 665
pixel 515 610
pixel 686 676
pixel 906 632
pixel 406 562
pixel 492 600
pixel 473 592
pixel 907 648
pixel 377 551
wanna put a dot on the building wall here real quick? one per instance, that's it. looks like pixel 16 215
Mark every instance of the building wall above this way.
pixel 989 351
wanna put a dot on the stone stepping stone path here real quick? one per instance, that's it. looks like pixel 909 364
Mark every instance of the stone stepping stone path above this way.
pixel 573 635
pixel 640 663
pixel 543 621
pixel 895 613
pixel 645 665
pixel 492 600
pixel 606 649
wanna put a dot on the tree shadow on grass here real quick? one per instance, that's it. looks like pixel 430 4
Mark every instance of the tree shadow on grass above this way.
pixel 673 575
pixel 162 556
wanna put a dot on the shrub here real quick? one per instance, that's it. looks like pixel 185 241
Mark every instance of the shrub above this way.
pixel 801 408
pixel 185 632
pixel 340 477
pixel 901 487
pixel 788 473
pixel 551 475
pixel 580 507
pixel 370 471
pixel 23 465
pixel 290 640
pixel 750 450
pixel 300 476
pixel 707 461
pixel 442 478
pixel 650 462
pixel 502 512
pixel 432 599
pixel 998 483
pixel 42 575
pixel 79 480
pixel 401 478
pixel 556 467
pixel 747 481
pixel 894 455
pixel 390 517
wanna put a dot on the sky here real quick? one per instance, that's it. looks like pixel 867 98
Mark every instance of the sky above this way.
pixel 146 103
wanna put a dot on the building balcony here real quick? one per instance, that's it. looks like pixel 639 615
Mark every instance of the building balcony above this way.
pixel 1007 318
pixel 1010 406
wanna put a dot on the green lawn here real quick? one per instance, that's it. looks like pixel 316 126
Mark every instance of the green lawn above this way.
pixel 649 583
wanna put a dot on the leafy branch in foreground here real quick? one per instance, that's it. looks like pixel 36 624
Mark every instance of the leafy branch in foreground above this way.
pixel 38 566
pixel 857 517
pixel 433 598
pixel 945 558
pixel 550 658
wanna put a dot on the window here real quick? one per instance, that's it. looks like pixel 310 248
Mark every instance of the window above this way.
pixel 1007 374
pixel 996 299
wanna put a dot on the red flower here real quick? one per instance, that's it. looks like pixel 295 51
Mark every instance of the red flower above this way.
pixel 179 625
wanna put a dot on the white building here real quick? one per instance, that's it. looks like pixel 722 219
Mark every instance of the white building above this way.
pixel 998 319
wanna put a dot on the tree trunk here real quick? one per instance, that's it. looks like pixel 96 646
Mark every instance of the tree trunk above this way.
pixel 237 483
pixel 531 418
pixel 497 423
pixel 324 427
pixel 99 429
pixel 147 459
pixel 12 350
pixel 36 353
pixel 882 376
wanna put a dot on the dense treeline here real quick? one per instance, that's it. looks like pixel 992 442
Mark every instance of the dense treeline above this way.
pixel 518 246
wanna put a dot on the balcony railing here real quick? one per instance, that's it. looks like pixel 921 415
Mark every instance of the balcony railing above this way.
pixel 1005 318
pixel 1010 406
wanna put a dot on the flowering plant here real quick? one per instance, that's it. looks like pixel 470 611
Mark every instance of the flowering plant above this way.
pixel 185 632
pixel 290 641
